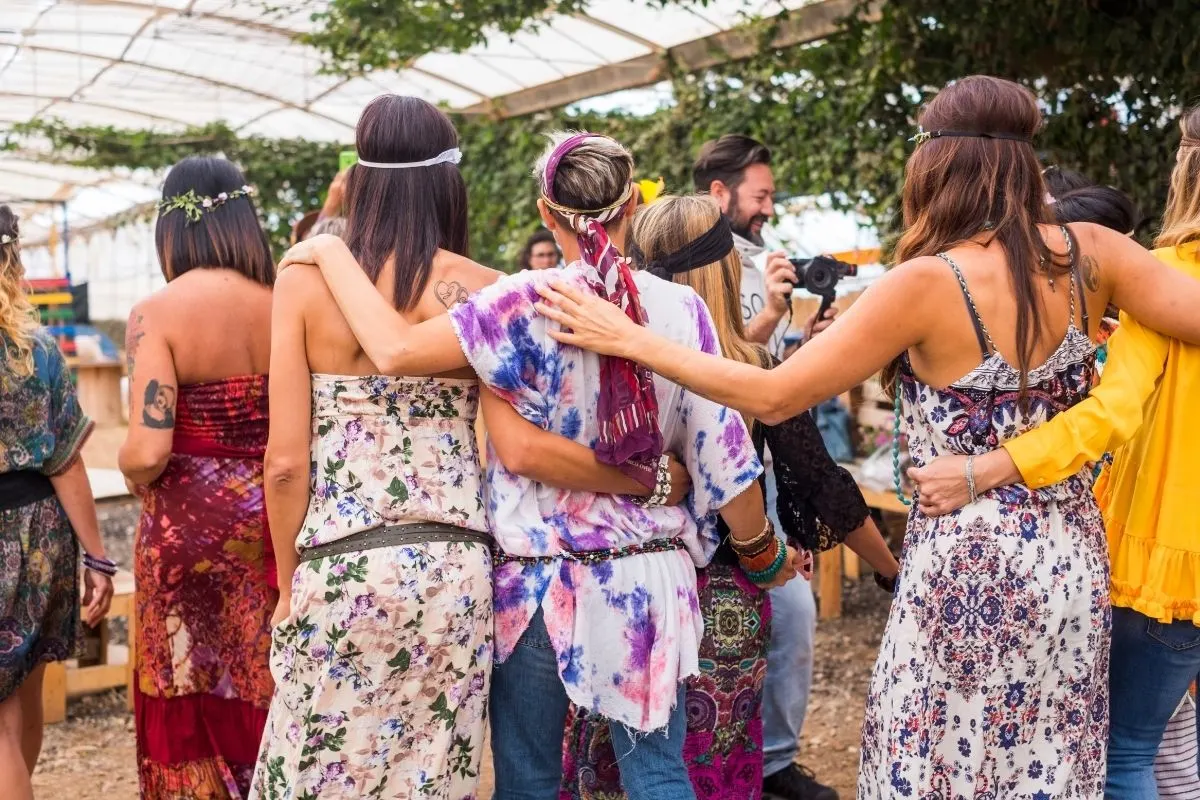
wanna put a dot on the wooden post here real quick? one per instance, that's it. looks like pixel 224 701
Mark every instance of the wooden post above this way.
pixel 829 567
pixel 54 693
pixel 850 563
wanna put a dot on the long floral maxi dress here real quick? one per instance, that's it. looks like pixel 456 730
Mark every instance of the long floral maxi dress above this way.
pixel 992 679
pixel 204 600
pixel 384 665
pixel 42 430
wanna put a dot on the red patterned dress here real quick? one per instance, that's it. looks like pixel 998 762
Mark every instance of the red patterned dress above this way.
pixel 204 575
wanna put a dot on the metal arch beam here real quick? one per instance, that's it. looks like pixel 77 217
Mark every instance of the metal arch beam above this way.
pixel 264 27
pixel 808 23
pixel 653 47
pixel 105 106
pixel 184 74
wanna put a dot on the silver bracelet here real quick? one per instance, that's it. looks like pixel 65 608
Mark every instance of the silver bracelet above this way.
pixel 971 478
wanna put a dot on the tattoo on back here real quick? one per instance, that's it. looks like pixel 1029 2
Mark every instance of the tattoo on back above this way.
pixel 133 340
pixel 450 294
pixel 158 409
pixel 1090 273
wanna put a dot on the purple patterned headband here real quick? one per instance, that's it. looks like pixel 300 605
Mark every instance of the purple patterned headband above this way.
pixel 564 147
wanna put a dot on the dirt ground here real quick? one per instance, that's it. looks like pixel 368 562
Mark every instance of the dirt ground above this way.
pixel 92 754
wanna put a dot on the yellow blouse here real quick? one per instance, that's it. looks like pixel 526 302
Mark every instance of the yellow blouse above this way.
pixel 1150 495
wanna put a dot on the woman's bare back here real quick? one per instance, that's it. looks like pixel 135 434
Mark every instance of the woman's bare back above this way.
pixel 216 322
pixel 329 341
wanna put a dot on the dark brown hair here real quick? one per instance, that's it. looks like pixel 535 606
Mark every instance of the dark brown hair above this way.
pixel 228 236
pixel 539 236
pixel 956 187
pixel 405 214
pixel 726 160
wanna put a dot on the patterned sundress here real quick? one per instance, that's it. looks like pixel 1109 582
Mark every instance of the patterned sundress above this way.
pixel 992 679
pixel 384 665
pixel 42 429
pixel 204 599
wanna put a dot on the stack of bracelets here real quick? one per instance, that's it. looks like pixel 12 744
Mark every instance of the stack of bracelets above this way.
pixel 100 565
pixel 761 557
pixel 662 485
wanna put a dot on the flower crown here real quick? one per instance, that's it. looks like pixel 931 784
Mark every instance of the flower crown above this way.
pixel 194 205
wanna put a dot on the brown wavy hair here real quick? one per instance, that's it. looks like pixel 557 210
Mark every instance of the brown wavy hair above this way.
pixel 1181 221
pixel 957 187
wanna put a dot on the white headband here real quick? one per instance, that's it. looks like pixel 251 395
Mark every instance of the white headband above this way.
pixel 451 156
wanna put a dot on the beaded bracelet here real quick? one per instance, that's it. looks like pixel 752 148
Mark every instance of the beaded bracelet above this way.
pixel 767 575
pixel 970 475
pixel 662 485
pixel 763 559
pixel 101 565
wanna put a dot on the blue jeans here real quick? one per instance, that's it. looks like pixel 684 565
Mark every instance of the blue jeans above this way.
pixel 789 662
pixel 1152 666
pixel 529 711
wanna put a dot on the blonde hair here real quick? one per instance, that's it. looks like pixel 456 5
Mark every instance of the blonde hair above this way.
pixel 1181 222
pixel 667 227
pixel 18 318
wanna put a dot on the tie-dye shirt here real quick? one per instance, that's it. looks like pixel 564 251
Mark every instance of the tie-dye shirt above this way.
pixel 627 630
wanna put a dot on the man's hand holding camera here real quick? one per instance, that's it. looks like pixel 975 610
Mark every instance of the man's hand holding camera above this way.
pixel 780 278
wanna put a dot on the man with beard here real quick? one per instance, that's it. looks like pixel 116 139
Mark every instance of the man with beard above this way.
pixel 736 171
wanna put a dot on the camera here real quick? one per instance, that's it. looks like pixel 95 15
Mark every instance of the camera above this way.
pixel 820 275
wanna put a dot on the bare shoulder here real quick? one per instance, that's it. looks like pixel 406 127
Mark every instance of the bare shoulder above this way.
pixel 454 278
pixel 299 280
pixel 917 274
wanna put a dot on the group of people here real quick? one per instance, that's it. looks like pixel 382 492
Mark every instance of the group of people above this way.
pixel 336 589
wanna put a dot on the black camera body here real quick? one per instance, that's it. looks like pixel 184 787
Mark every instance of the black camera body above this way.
pixel 820 275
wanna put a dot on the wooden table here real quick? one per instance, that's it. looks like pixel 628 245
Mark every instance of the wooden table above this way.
pixel 99 387
pixel 67 679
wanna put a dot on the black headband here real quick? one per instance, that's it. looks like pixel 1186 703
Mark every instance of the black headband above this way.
pixel 925 136
pixel 707 248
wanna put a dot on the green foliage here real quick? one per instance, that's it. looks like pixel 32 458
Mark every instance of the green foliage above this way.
pixel 291 175
pixel 1112 76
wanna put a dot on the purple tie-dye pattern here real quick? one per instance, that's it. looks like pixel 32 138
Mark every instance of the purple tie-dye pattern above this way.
pixel 625 631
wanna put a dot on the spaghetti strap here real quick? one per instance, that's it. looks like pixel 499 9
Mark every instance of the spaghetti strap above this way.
pixel 1076 280
pixel 986 345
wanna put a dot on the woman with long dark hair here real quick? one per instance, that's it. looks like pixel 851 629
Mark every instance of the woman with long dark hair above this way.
pixel 198 352
pixel 1145 410
pixel 993 675
pixel 47 516
pixel 384 635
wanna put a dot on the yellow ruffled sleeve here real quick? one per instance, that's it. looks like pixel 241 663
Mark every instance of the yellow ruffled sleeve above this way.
pixel 1108 418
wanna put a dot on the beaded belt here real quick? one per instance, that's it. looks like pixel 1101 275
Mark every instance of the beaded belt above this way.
pixel 395 536
pixel 594 556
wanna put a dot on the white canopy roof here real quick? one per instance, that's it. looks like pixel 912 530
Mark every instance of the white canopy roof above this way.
pixel 167 64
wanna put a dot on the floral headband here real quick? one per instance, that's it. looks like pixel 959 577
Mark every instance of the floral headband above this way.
pixel 6 239
pixel 194 205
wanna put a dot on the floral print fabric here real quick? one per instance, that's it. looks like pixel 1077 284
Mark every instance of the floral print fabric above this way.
pixel 383 671
pixel 386 451
pixel 384 664
pixel 204 606
pixel 42 428
pixel 625 631
pixel 992 680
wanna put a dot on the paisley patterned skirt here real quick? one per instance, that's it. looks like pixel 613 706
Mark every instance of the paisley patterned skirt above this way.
pixel 39 590
pixel 992 679
pixel 382 674
pixel 723 749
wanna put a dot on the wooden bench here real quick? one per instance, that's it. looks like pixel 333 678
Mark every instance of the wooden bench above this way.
pixel 841 561
pixel 66 679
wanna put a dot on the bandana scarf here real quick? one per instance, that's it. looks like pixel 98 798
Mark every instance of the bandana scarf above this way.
pixel 628 410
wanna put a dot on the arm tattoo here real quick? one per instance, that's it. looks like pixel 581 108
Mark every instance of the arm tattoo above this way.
pixel 158 409
pixel 133 340
pixel 1090 273
pixel 450 294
